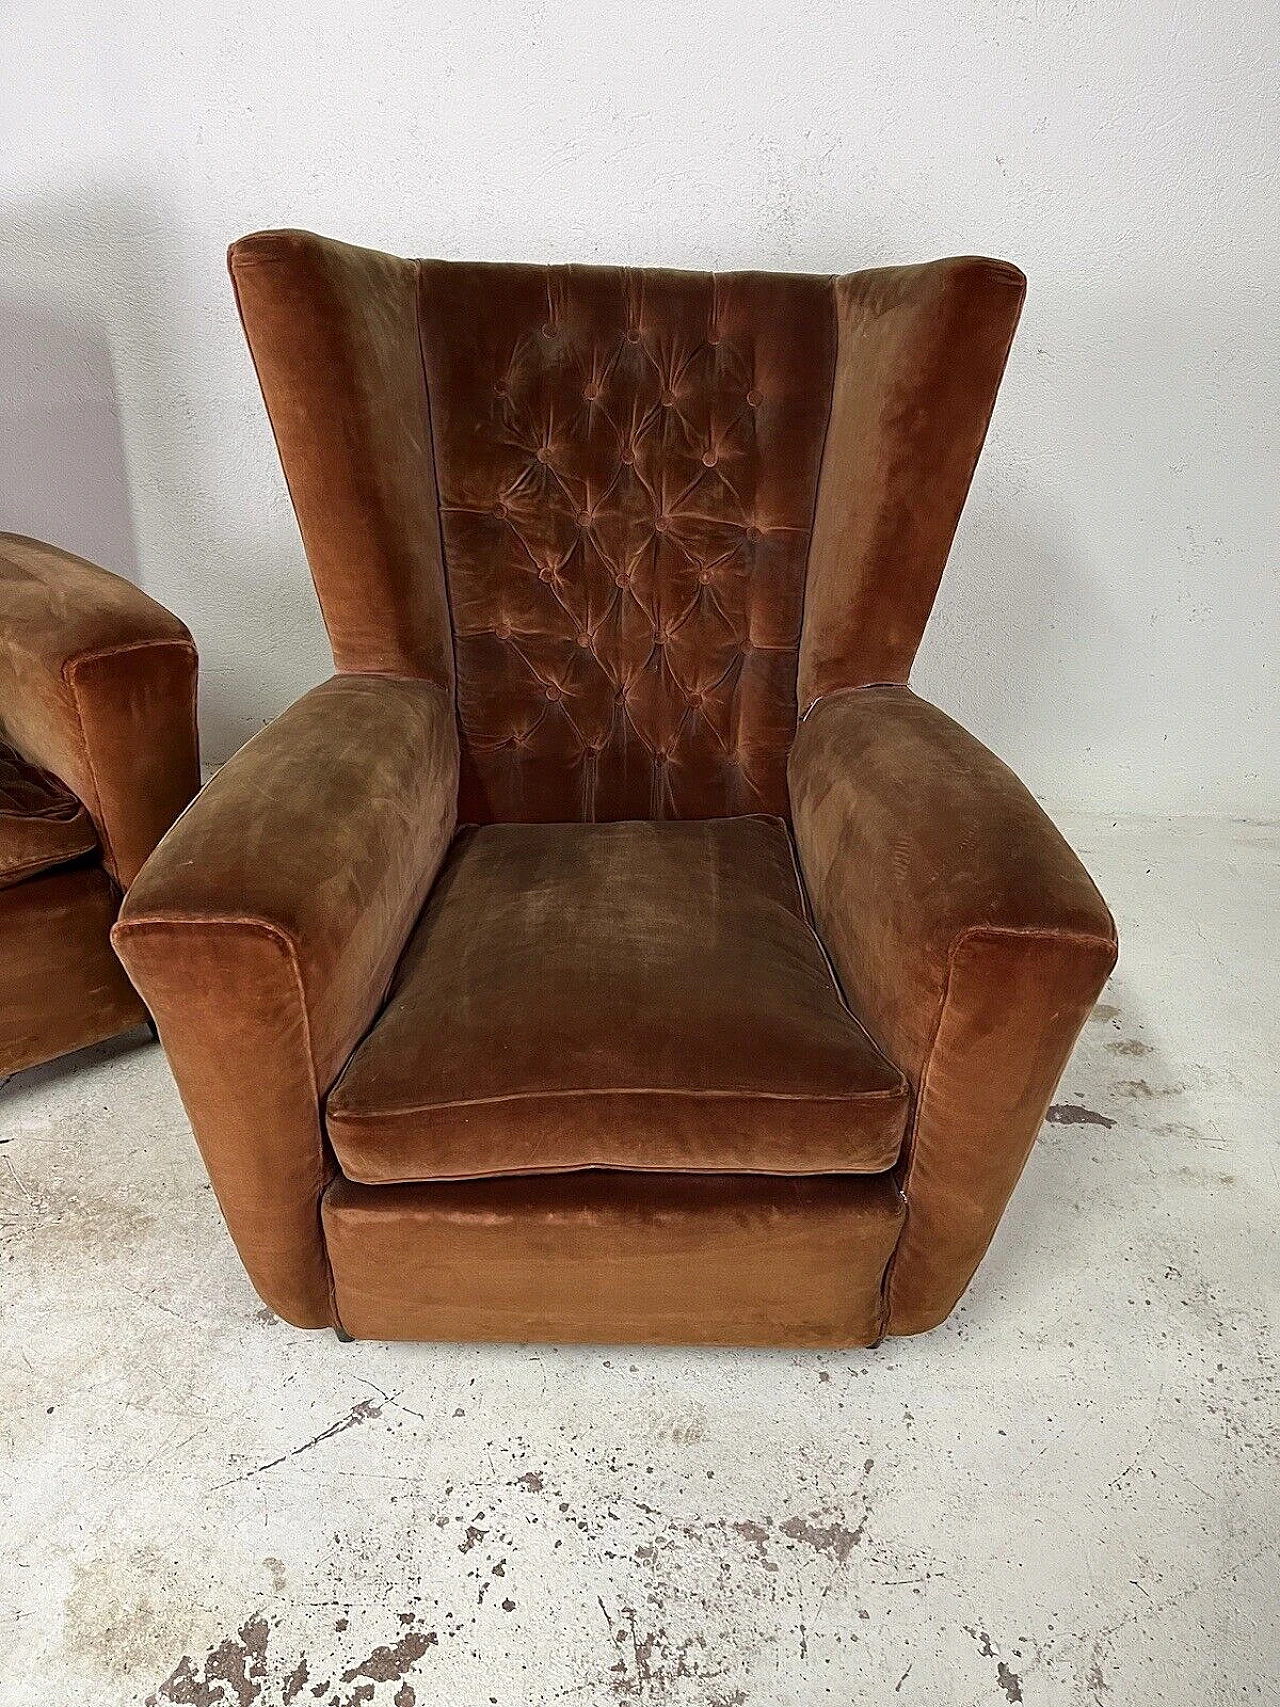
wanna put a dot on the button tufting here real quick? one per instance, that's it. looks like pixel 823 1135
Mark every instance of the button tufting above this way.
pixel 584 639
pixel 621 578
pixel 713 337
pixel 633 334
pixel 668 399
pixel 663 524
pixel 543 455
pixel 709 459
pixel 500 386
pixel 554 693
pixel 546 573
pixel 585 518
pixel 753 532
pixel 503 631
pixel 499 509
pixel 705 576
pixel 628 455
pixel 591 393
pixel 549 331
pixel 754 397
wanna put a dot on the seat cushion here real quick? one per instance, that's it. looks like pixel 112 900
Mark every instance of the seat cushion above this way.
pixel 629 995
pixel 42 824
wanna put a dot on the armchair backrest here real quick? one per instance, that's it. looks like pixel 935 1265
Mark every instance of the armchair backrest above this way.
pixel 589 499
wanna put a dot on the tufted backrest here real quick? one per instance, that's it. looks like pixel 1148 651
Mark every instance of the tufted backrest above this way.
pixel 627 464
pixel 634 520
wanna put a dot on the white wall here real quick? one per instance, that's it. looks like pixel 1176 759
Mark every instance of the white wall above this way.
pixel 1110 621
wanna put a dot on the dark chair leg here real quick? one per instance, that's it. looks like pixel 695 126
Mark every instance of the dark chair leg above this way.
pixel 343 1337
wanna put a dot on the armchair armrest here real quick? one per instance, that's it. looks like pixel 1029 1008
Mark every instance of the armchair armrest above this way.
pixel 98 685
pixel 263 935
pixel 969 940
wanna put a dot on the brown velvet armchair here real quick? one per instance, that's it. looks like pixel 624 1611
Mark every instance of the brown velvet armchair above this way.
pixel 615 948
pixel 98 756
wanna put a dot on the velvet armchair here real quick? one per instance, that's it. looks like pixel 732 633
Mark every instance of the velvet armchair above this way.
pixel 98 755
pixel 616 948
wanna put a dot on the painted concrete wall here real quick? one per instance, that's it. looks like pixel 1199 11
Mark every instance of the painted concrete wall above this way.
pixel 1111 619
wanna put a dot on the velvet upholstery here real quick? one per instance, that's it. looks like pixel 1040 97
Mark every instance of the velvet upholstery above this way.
pixel 612 561
pixel 627 466
pixel 98 755
pixel 687 1020
pixel 61 987
pixel 604 1256
pixel 98 685
pixel 969 939
pixel 42 824
pixel 264 933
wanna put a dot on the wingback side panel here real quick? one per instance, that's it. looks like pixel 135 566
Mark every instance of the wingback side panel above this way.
pixel 921 354
pixel 627 465
pixel 334 334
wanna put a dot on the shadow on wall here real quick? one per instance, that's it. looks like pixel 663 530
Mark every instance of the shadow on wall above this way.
pixel 63 476
pixel 129 413
pixel 1023 644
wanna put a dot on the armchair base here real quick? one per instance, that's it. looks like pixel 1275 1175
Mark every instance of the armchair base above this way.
pixel 61 987
pixel 615 1258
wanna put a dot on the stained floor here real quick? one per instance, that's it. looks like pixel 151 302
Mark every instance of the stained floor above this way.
pixel 1067 1495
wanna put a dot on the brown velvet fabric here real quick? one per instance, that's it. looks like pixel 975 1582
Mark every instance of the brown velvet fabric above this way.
pixel 652 514
pixel 334 335
pixel 61 987
pixel 98 685
pixel 648 1259
pixel 646 996
pixel 921 354
pixel 42 824
pixel 627 464
pixel 970 941
pixel 263 936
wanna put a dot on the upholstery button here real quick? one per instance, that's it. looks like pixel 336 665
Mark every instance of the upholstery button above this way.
pixel 591 393
pixel 499 509
pixel 585 518
pixel 709 459
pixel 663 524
pixel 500 386
pixel 668 399
pixel 584 639
pixel 633 334
pixel 543 455
pixel 554 693
pixel 755 397
pixel 621 578
pixel 713 337
pixel 546 573
pixel 503 631
pixel 705 576
pixel 549 331
pixel 753 532
pixel 697 699
pixel 628 455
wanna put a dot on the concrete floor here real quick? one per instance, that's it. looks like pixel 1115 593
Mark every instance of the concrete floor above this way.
pixel 1066 1495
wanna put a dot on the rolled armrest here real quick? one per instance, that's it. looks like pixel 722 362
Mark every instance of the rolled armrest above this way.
pixel 98 685
pixel 263 934
pixel 969 940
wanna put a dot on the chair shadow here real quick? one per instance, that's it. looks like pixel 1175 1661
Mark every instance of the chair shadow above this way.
pixel 63 471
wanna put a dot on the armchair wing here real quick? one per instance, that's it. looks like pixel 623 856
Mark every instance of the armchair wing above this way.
pixel 98 685
pixel 263 935
pixel 970 941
